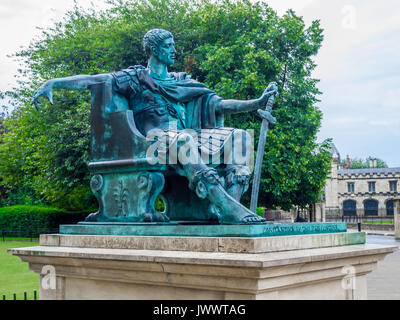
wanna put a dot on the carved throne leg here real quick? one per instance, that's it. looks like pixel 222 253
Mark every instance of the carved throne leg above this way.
pixel 127 197
pixel 154 182
pixel 96 185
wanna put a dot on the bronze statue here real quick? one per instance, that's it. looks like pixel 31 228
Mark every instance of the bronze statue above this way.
pixel 130 105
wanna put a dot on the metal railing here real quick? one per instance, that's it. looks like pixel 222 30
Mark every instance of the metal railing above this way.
pixel 26 297
pixel 362 219
pixel 27 235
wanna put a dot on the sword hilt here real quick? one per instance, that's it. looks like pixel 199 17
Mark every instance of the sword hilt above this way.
pixel 271 99
pixel 266 114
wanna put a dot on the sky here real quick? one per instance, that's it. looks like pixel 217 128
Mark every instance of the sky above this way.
pixel 358 64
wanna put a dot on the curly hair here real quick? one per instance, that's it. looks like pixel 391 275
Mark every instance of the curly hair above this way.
pixel 153 38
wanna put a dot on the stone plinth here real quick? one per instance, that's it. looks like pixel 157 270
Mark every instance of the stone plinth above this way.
pixel 110 267
pixel 209 244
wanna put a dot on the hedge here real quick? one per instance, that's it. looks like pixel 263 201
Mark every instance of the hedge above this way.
pixel 33 219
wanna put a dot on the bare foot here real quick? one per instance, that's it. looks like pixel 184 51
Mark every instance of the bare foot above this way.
pixel 228 210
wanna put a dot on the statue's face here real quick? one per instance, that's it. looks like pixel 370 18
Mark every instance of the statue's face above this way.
pixel 166 51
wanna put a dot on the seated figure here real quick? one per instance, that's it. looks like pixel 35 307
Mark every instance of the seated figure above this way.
pixel 131 105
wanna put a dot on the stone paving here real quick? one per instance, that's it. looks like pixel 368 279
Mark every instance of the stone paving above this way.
pixel 374 232
pixel 384 282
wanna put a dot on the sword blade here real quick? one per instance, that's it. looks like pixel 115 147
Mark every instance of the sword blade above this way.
pixel 259 159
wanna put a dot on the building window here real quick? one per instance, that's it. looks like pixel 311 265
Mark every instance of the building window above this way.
pixel 371 186
pixel 350 187
pixel 390 208
pixel 349 208
pixel 371 208
pixel 393 186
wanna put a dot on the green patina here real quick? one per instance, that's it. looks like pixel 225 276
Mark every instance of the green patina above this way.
pixel 201 230
pixel 127 106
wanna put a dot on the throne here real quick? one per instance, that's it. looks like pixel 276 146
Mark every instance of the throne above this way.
pixel 124 181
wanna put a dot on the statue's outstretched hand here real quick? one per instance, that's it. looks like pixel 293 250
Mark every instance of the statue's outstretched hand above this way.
pixel 45 90
pixel 272 89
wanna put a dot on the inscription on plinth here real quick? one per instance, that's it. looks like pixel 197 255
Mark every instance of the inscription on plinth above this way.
pixel 186 230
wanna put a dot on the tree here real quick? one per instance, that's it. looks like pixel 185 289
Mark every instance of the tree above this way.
pixel 3 190
pixel 235 47
pixel 358 163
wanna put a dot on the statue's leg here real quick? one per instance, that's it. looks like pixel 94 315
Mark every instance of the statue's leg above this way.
pixel 182 154
pixel 206 183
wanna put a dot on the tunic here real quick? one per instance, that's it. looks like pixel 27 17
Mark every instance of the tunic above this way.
pixel 175 104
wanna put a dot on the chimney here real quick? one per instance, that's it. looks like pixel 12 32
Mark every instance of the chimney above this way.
pixel 375 163
pixel 347 162
pixel 371 165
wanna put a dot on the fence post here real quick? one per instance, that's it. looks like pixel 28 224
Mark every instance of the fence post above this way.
pixel 397 219
pixel 25 297
pixel 4 297
pixel 34 295
pixel 15 296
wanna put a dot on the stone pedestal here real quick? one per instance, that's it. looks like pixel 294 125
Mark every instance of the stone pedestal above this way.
pixel 318 266
pixel 397 219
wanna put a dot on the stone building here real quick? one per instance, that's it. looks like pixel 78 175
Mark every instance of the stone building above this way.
pixel 360 192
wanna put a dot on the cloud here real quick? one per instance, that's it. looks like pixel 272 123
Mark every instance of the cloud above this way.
pixel 19 20
pixel 391 100
pixel 358 67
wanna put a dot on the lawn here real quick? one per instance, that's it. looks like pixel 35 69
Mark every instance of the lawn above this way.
pixel 380 222
pixel 15 277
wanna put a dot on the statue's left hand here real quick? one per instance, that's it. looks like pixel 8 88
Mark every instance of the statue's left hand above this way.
pixel 45 90
pixel 272 89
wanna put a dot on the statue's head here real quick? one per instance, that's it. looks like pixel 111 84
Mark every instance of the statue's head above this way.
pixel 160 44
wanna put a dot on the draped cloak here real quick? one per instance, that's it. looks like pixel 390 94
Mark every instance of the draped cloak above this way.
pixel 200 105
pixel 200 102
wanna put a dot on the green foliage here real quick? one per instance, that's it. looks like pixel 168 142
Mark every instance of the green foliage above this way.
pixel 3 190
pixel 35 218
pixel 358 163
pixel 260 211
pixel 235 47
pixel 20 195
pixel 159 205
